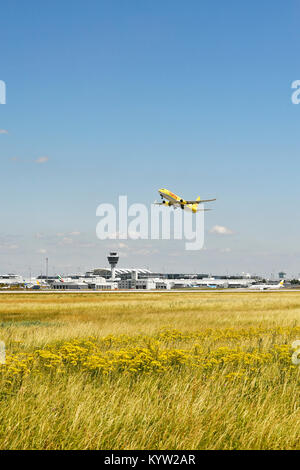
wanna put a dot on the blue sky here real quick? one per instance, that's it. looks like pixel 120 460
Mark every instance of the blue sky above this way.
pixel 113 97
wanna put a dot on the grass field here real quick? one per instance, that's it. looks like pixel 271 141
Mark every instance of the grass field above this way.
pixel 150 371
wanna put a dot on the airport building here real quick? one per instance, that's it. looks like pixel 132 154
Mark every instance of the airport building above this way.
pixel 84 283
pixel 128 278
pixel 137 278
pixel 11 279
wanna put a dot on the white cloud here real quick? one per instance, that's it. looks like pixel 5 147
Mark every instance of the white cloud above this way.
pixel 124 236
pixel 117 235
pixel 66 241
pixel 42 160
pixel 75 233
pixel 42 251
pixel 8 246
pixel 225 250
pixel 145 251
pixel 3 131
pixel 116 246
pixel 221 230
pixel 122 245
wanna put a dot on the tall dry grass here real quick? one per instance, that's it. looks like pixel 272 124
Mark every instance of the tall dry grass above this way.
pixel 181 408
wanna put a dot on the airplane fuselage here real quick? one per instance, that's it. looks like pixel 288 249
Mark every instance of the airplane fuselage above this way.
pixel 171 199
pixel 166 194
pixel 267 286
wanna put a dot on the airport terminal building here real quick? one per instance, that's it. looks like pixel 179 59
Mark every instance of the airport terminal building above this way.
pixel 113 278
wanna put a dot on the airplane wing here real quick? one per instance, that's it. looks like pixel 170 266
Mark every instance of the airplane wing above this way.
pixel 199 202
pixel 176 205
pixel 164 204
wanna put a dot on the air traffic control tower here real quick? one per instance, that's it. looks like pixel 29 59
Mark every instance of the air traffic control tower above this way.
pixel 113 259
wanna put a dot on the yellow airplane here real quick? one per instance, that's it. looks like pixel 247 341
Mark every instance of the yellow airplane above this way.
pixel 172 200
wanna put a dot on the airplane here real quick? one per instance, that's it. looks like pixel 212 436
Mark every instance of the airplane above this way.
pixel 34 284
pixel 268 286
pixel 172 200
pixel 64 279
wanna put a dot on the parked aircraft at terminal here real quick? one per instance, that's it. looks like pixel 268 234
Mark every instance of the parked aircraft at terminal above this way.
pixel 34 283
pixel 268 286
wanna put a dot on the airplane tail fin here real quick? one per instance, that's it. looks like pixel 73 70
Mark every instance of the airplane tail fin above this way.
pixel 281 283
pixel 195 206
